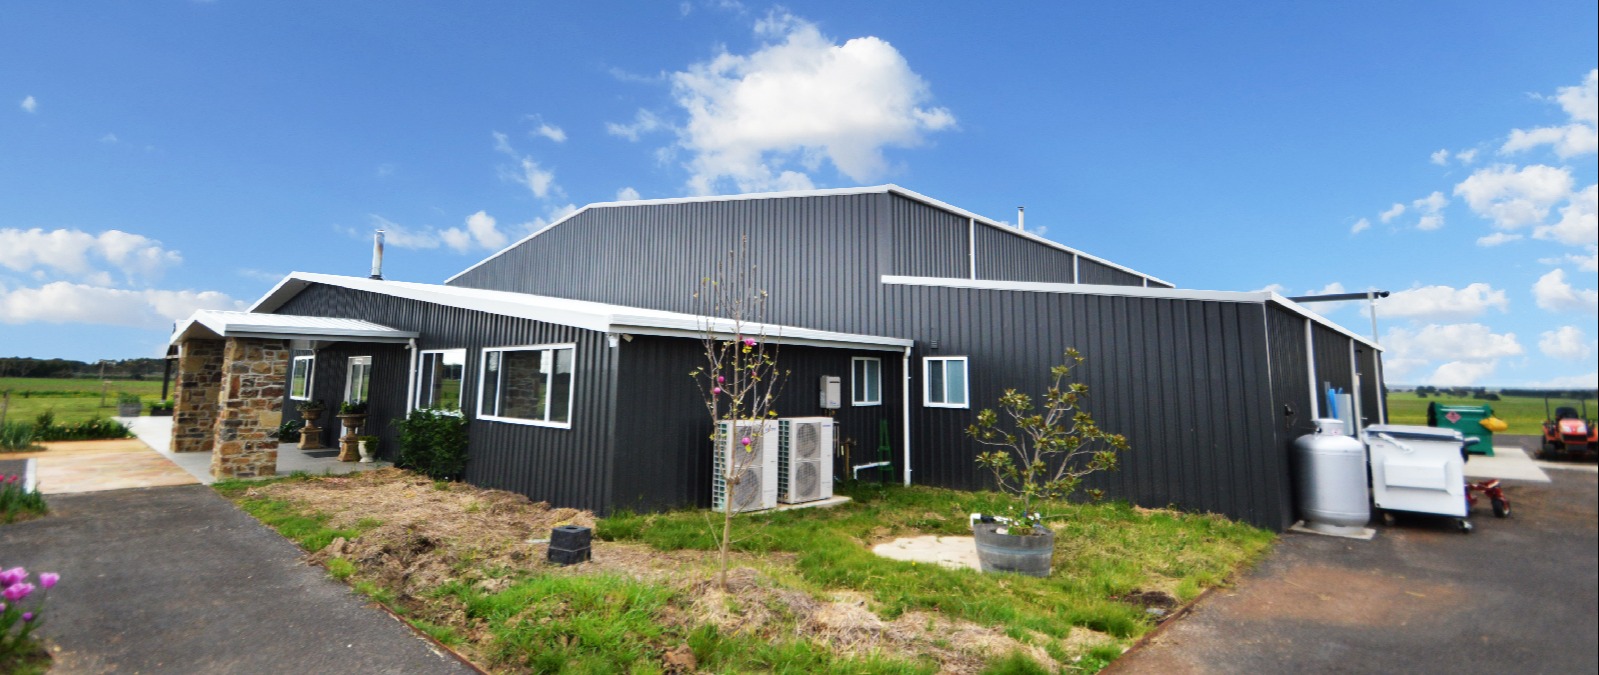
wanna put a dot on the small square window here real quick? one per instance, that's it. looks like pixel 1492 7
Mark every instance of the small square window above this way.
pixel 945 383
pixel 304 368
pixel 866 381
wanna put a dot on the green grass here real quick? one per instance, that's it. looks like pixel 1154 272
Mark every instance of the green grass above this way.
pixel 1525 415
pixel 1104 550
pixel 72 399
pixel 309 530
pixel 16 504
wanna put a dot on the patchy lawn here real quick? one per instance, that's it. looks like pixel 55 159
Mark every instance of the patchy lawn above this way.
pixel 467 566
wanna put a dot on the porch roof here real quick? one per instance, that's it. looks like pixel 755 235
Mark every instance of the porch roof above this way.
pixel 208 323
pixel 596 316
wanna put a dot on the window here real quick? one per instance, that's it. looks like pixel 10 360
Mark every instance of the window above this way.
pixel 866 381
pixel 358 379
pixel 528 385
pixel 300 375
pixel 438 379
pixel 945 383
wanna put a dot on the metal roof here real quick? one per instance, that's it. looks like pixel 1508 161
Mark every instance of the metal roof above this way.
pixel 875 189
pixel 596 316
pixel 208 323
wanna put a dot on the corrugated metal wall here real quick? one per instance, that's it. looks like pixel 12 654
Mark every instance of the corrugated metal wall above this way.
pixel 567 467
pixel 390 367
pixel 1371 385
pixel 927 242
pixel 1184 380
pixel 1007 257
pixel 1333 365
pixel 1090 272
pixel 664 452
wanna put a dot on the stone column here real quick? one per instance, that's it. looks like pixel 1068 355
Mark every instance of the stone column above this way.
pixel 250 407
pixel 194 412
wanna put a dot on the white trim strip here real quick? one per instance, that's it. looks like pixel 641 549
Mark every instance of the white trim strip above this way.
pixel 1310 359
pixel 1128 291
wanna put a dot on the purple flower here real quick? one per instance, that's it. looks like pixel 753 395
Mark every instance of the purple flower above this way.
pixel 720 379
pixel 48 579
pixel 12 576
pixel 746 441
pixel 27 616
pixel 17 592
pixel 716 390
pixel 749 342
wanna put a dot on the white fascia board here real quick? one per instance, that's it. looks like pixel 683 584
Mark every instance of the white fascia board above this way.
pixel 280 293
pixel 1131 292
pixel 695 327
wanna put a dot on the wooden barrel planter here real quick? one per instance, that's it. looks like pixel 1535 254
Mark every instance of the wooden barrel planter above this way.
pixel 1028 554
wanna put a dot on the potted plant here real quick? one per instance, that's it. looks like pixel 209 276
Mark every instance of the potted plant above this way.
pixel 368 446
pixel 128 405
pixel 1040 455
pixel 311 434
pixel 162 408
pixel 352 414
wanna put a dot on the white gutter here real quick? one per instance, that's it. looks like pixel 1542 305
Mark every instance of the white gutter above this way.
pixel 971 246
pixel 410 383
pixel 1382 400
pixel 905 411
pixel 1354 376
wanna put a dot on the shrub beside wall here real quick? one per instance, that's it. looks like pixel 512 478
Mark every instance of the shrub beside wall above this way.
pixel 433 443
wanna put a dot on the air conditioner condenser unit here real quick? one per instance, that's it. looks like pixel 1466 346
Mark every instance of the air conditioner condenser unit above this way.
pixel 755 469
pixel 805 459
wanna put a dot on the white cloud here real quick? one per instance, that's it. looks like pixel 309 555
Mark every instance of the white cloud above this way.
pixel 1567 343
pixel 1429 207
pixel 67 302
pixel 527 172
pixel 481 231
pixel 30 104
pixel 110 139
pixel 75 253
pixel 1442 302
pixel 644 122
pixel 1497 238
pixel 1589 381
pixel 1589 263
pixel 1578 136
pixel 1469 352
pixel 551 132
pixel 1467 156
pixel 1515 197
pixel 1440 157
pixel 766 119
pixel 1279 289
pixel 395 234
pixel 627 194
pixel 1553 293
pixel 1393 212
pixel 1360 226
pixel 1578 224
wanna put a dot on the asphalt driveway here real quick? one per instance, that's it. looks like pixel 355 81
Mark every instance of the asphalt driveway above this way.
pixel 177 580
pixel 1517 596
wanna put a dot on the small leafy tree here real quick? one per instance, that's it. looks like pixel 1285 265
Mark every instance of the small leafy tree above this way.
pixel 740 379
pixel 1043 453
pixel 434 443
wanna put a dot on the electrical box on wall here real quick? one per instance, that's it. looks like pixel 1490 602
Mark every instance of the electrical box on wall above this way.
pixel 832 392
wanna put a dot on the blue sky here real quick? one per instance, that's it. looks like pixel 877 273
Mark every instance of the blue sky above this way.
pixel 160 157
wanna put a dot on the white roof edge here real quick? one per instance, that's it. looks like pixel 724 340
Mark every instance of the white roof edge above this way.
pixel 888 188
pixel 596 316
pixel 1130 291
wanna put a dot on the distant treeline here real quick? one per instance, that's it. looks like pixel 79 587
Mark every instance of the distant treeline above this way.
pixel 125 369
pixel 1485 393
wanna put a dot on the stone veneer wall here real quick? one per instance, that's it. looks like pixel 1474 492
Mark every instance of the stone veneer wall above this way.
pixel 194 400
pixel 250 407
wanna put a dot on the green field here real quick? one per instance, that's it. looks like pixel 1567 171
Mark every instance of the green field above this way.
pixel 72 400
pixel 1524 415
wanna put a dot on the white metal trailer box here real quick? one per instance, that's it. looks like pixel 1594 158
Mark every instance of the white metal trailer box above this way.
pixel 1417 469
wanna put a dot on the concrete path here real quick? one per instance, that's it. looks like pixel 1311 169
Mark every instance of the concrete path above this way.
pixel 177 580
pixel 90 466
pixel 1520 595
pixel 156 432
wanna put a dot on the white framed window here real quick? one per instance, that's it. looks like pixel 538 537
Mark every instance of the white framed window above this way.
pixel 439 375
pixel 301 372
pixel 866 381
pixel 527 385
pixel 944 382
pixel 358 379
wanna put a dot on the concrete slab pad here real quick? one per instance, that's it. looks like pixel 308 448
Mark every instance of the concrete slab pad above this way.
pixel 156 432
pixel 71 467
pixel 1507 463
pixel 1361 533
pixel 951 552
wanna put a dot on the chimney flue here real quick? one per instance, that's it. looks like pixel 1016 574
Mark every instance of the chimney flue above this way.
pixel 377 255
pixel 1021 218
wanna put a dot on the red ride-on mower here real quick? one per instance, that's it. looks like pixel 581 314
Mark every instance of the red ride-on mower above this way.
pixel 1566 433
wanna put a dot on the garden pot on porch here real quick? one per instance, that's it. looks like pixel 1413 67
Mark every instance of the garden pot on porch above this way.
pixel 347 443
pixel 1023 554
pixel 366 450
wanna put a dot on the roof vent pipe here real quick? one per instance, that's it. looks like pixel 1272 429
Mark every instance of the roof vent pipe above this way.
pixel 1021 218
pixel 377 255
